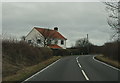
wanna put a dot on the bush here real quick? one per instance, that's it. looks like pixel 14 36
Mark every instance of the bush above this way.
pixel 17 55
pixel 69 51
pixel 60 52
pixel 110 50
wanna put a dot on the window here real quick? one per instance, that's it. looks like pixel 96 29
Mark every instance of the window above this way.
pixel 49 42
pixel 62 42
pixel 29 41
pixel 38 41
pixel 56 41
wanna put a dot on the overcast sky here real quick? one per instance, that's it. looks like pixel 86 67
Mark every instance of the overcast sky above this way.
pixel 74 20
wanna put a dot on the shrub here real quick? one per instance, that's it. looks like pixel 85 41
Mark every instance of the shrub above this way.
pixel 17 55
pixel 110 50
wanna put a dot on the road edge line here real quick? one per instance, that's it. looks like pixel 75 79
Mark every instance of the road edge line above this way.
pixel 106 64
pixel 40 71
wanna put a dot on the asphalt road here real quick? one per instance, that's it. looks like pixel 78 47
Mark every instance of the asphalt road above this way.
pixel 77 68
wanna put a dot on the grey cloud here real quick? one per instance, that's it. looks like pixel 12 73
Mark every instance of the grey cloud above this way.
pixel 74 20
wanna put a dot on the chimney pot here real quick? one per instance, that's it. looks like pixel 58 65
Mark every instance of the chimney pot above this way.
pixel 56 28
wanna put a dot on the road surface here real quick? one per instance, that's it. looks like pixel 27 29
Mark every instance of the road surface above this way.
pixel 76 68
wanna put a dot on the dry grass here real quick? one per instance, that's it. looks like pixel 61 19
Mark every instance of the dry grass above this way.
pixel 108 60
pixel 28 71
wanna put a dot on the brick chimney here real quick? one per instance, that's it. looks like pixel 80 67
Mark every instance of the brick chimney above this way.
pixel 56 28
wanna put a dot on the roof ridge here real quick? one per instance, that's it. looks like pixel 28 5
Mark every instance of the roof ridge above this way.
pixel 45 28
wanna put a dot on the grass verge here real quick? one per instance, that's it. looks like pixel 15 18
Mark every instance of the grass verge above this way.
pixel 108 61
pixel 26 72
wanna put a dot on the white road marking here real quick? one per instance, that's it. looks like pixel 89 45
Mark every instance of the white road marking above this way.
pixel 85 75
pixel 40 71
pixel 77 58
pixel 77 61
pixel 79 65
pixel 105 64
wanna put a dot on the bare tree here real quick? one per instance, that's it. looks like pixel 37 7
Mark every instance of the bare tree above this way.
pixel 83 42
pixel 47 36
pixel 23 38
pixel 9 37
pixel 113 9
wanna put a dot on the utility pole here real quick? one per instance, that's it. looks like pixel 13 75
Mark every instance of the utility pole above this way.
pixel 87 37
pixel 88 44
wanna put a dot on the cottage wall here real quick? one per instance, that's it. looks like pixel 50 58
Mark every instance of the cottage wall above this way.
pixel 33 36
pixel 59 43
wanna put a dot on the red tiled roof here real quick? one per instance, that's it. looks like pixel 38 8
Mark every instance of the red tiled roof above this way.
pixel 55 46
pixel 50 33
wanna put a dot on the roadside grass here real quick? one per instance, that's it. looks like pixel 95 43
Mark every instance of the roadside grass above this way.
pixel 108 61
pixel 26 72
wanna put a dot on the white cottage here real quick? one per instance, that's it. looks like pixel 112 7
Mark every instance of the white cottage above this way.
pixel 43 37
